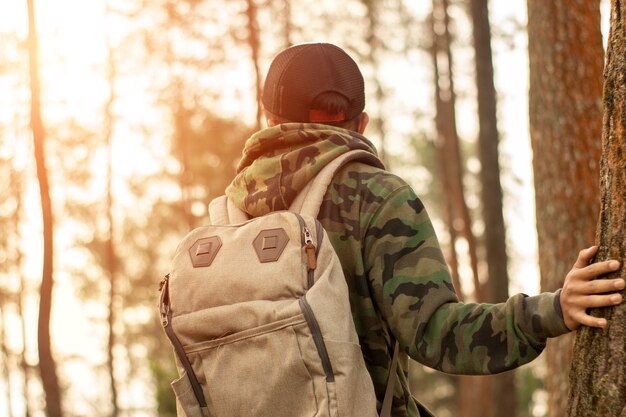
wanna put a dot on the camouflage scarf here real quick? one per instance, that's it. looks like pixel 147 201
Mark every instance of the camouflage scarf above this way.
pixel 278 162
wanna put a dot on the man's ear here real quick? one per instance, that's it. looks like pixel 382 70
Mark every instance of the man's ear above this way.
pixel 363 121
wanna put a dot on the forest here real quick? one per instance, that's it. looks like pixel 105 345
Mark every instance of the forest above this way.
pixel 121 120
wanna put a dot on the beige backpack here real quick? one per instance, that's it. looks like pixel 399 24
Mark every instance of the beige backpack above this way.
pixel 258 313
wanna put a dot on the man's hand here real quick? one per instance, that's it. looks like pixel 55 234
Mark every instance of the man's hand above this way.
pixel 581 291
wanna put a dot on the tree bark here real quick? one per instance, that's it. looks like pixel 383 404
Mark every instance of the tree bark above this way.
pixel 500 388
pixel 565 55
pixel 47 366
pixel 598 372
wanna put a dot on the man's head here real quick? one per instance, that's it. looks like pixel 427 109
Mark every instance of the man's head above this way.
pixel 317 83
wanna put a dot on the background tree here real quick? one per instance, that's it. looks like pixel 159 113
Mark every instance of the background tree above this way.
pixel 110 259
pixel 565 53
pixel 376 44
pixel 12 287
pixel 597 374
pixel 451 170
pixel 449 156
pixel 47 366
pixel 501 388
pixel 254 43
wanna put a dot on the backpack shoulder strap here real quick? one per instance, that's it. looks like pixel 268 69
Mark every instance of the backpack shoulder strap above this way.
pixel 309 200
pixel 222 211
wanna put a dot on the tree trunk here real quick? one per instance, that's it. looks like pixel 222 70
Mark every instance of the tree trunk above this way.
pixel 471 389
pixel 16 183
pixel 447 142
pixel 47 367
pixel 111 256
pixel 565 54
pixel 254 43
pixel 6 374
pixel 598 383
pixel 372 38
pixel 288 27
pixel 500 388
pixel 26 370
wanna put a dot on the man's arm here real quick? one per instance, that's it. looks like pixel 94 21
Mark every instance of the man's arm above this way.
pixel 413 291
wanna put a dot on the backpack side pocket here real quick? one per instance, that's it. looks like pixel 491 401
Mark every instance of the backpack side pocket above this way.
pixel 186 402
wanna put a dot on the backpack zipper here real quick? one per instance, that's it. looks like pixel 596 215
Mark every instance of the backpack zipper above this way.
pixel 310 249
pixel 318 339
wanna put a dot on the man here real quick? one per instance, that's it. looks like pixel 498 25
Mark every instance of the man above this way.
pixel 399 283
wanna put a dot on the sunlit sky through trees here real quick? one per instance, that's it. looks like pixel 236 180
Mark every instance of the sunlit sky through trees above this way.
pixel 73 39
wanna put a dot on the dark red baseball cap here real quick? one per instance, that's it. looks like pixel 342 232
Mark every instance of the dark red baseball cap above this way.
pixel 302 72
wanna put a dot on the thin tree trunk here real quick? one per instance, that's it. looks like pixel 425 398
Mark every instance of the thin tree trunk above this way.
pixel 448 138
pixel 446 180
pixel 372 38
pixel 23 361
pixel 5 356
pixel 565 53
pixel 450 166
pixel 111 256
pixel 47 367
pixel 254 43
pixel 488 138
pixel 181 138
pixel 16 184
pixel 288 27
pixel 598 372
pixel 500 388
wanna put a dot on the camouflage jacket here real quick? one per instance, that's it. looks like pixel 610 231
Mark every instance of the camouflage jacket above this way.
pixel 399 282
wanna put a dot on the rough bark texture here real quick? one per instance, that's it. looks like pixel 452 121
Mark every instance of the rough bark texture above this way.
pixel 566 59
pixel 47 367
pixel 500 389
pixel 598 373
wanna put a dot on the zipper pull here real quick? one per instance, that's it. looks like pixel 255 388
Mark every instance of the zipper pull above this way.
pixel 309 247
pixel 163 281
pixel 164 300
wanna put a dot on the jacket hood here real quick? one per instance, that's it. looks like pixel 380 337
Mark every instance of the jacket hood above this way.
pixel 279 161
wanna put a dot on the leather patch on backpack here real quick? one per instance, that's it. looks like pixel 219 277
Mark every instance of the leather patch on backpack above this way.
pixel 203 251
pixel 269 244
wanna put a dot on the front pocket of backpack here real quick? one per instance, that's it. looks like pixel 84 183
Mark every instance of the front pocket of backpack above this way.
pixel 260 372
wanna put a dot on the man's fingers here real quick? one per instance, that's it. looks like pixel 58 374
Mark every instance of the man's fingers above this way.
pixel 590 321
pixel 593 301
pixel 585 256
pixel 596 269
pixel 599 286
